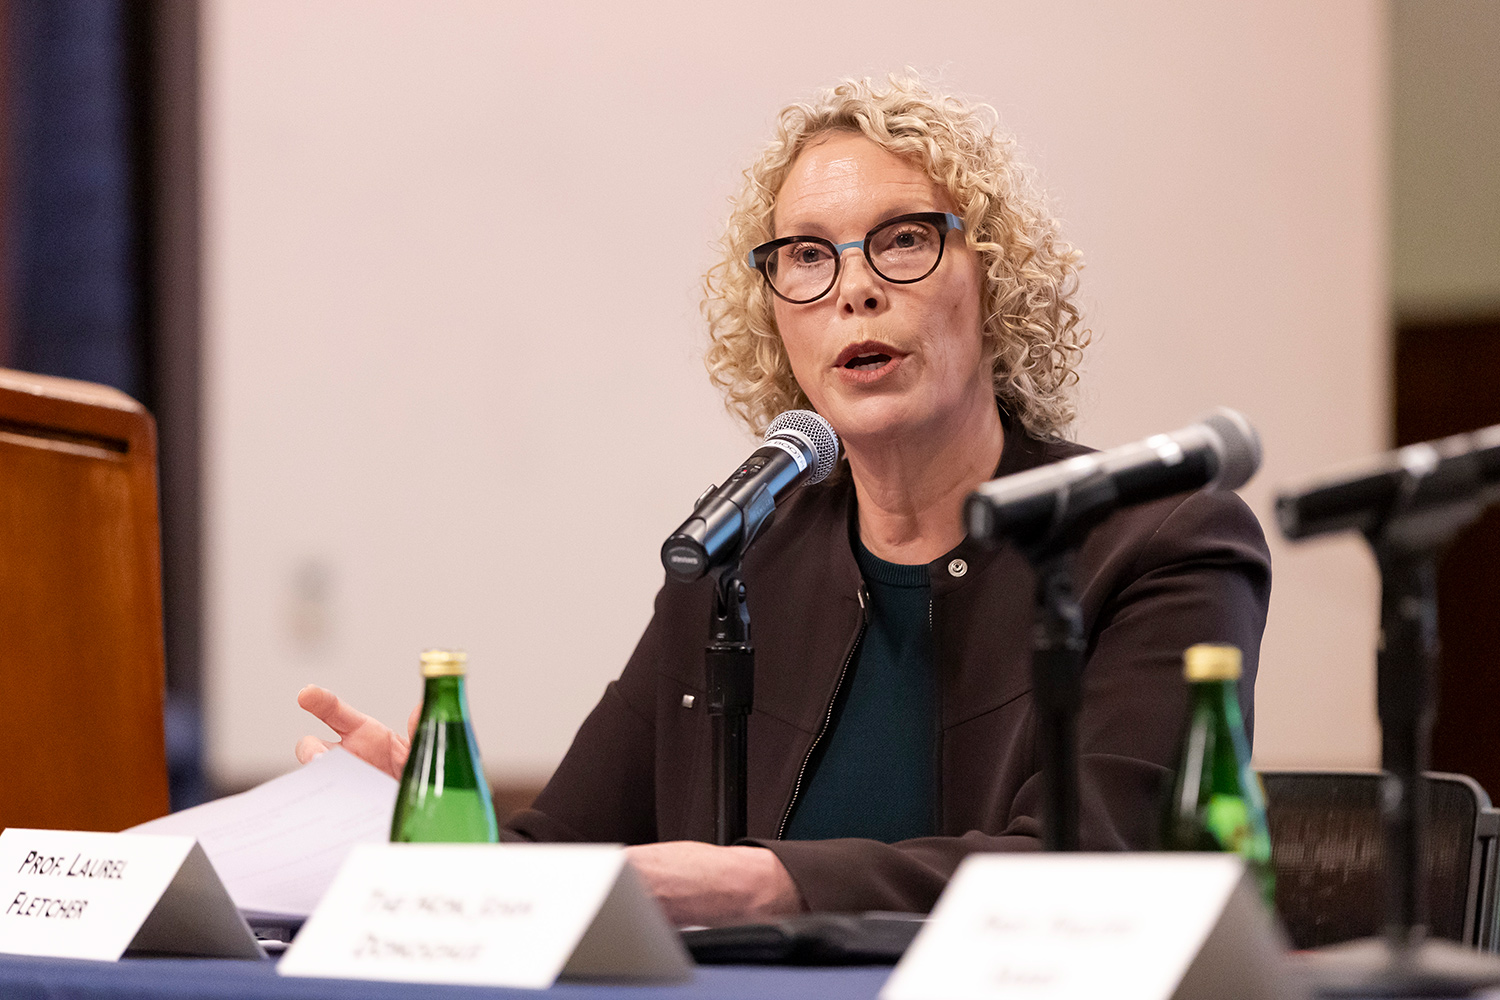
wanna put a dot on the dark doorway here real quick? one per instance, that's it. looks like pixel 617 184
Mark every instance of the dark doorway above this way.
pixel 1447 381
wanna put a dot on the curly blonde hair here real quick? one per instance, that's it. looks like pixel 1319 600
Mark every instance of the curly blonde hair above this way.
pixel 1031 324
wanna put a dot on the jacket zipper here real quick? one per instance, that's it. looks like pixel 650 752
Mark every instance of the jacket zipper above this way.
pixel 786 817
pixel 937 722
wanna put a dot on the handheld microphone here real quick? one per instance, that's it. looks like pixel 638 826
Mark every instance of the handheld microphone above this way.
pixel 1458 475
pixel 1042 506
pixel 800 447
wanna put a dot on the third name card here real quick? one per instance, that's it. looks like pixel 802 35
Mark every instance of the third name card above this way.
pixel 1086 926
pixel 514 915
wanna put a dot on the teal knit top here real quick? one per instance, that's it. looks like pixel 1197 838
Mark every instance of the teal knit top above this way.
pixel 872 773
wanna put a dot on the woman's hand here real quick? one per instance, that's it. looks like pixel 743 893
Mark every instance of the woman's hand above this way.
pixel 368 739
pixel 699 883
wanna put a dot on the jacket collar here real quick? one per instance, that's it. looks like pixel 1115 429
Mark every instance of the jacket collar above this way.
pixel 953 568
pixel 834 518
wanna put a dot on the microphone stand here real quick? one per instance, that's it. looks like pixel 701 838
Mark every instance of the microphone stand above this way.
pixel 1056 671
pixel 1405 665
pixel 1057 646
pixel 729 662
pixel 1404 962
pixel 1057 650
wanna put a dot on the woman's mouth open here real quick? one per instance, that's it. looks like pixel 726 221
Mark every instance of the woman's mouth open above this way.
pixel 862 361
pixel 867 362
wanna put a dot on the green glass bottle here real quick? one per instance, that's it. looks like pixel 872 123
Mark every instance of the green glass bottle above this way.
pixel 444 796
pixel 1217 803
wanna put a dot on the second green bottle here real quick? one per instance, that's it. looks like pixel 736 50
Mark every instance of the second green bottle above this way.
pixel 1216 803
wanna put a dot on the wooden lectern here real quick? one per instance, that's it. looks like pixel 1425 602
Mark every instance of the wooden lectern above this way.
pixel 82 670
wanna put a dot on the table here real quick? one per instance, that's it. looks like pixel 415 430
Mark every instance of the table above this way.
pixel 221 979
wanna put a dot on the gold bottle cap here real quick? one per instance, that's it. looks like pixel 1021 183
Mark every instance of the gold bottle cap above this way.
pixel 444 663
pixel 1211 661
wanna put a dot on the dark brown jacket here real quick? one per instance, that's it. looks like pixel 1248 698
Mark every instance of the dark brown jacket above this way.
pixel 1152 580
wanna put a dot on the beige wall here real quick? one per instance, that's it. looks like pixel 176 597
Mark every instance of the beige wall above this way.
pixel 453 353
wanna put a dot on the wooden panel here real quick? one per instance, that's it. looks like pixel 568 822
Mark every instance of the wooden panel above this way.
pixel 81 663
pixel 1447 382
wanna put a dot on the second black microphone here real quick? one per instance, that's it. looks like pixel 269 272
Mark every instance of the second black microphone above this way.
pixel 1043 506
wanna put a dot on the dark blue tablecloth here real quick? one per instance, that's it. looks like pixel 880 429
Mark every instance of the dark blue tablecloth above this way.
pixel 218 979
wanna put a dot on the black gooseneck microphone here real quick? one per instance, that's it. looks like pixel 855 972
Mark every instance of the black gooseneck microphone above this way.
pixel 1046 513
pixel 1421 482
pixel 1409 504
pixel 800 448
pixel 1042 506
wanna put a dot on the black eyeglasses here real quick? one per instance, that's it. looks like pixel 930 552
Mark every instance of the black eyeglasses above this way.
pixel 802 269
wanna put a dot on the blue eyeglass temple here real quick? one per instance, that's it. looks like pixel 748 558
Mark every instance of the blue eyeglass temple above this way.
pixel 955 225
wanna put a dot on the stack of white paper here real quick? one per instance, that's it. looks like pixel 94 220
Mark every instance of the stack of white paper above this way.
pixel 278 846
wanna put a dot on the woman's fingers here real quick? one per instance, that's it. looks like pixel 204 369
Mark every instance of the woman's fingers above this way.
pixel 335 714
pixel 368 739
pixel 309 747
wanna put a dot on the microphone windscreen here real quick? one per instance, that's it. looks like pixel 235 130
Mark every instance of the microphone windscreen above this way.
pixel 817 432
pixel 1239 458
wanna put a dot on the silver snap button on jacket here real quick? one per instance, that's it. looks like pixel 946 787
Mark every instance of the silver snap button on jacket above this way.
pixel 958 567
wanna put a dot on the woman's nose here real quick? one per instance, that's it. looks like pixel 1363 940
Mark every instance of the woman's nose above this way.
pixel 859 286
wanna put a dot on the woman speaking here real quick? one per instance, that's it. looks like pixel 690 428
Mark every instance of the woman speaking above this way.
pixel 888 264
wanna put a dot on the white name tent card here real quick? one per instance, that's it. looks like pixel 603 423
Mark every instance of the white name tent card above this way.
pixel 517 915
pixel 70 894
pixel 1085 926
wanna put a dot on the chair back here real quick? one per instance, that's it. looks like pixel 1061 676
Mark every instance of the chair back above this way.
pixel 81 656
pixel 1328 851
